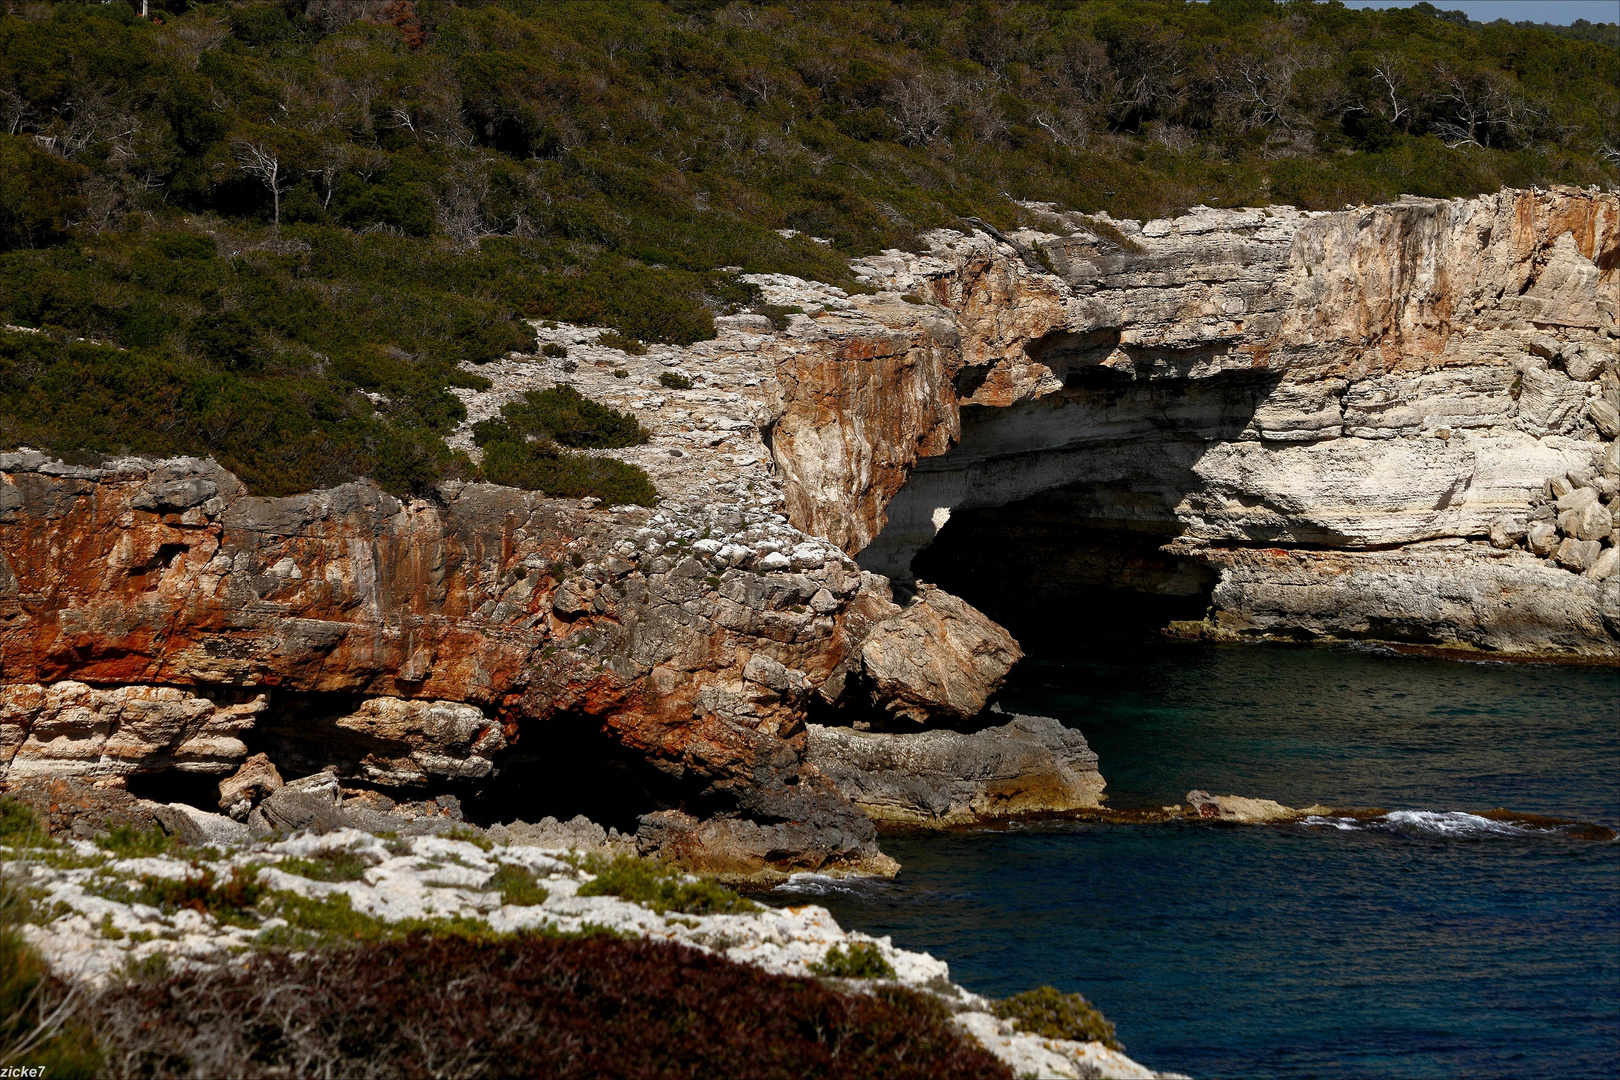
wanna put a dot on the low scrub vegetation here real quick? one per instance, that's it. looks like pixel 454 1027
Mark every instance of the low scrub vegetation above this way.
pixel 329 865
pixel 564 416
pixel 517 885
pixel 281 233
pixel 20 826
pixel 661 888
pixel 523 447
pixel 128 842
pixel 525 1005
pixel 857 960
pixel 40 1024
pixel 1052 1014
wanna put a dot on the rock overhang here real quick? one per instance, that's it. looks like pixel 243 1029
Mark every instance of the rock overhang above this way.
pixel 1253 384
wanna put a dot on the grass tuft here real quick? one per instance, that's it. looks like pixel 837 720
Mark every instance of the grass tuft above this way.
pixel 659 887
pixel 128 842
pixel 330 865
pixel 20 826
pixel 517 885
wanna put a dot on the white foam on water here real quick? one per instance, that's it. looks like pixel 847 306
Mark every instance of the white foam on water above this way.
pixel 807 884
pixel 1444 824
pixel 1343 824
pixel 1452 824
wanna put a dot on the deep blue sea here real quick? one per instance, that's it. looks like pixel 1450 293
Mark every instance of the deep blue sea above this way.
pixel 1429 943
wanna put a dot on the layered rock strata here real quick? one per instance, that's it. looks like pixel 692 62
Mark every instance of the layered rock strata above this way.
pixel 154 612
pixel 1390 422
pixel 1395 421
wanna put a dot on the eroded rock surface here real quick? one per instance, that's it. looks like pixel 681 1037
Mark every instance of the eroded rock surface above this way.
pixel 154 612
pixel 1369 383
pixel 1031 764
pixel 1390 422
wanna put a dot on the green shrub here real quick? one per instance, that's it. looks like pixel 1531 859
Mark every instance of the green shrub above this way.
pixel 540 467
pixel 40 1025
pixel 857 960
pixel 615 340
pixel 128 842
pixel 674 380
pixel 553 349
pixel 230 901
pixel 621 373
pixel 39 194
pixel 328 865
pixel 565 416
pixel 659 887
pixel 517 885
pixel 913 298
pixel 1052 1014
pixel 778 313
pixel 20 826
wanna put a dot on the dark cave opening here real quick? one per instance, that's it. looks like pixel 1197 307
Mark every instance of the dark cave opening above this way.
pixel 174 786
pixel 1055 580
pixel 562 767
pixel 569 766
pixel 1053 515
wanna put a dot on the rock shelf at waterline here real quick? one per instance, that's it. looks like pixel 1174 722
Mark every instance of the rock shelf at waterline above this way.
pixel 1203 808
pixel 95 912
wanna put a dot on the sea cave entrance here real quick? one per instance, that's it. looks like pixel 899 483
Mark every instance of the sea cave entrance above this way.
pixel 1052 516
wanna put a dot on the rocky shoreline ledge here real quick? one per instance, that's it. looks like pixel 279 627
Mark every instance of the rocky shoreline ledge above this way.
pixel 98 910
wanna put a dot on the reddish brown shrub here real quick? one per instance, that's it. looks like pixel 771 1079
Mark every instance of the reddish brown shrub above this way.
pixel 524 1006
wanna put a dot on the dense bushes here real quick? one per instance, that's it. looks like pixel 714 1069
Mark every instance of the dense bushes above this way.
pixel 566 416
pixel 542 467
pixel 521 447
pixel 300 218
pixel 522 1006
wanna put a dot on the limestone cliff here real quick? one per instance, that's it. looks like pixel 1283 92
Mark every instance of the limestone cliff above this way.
pixel 1374 423
pixel 1391 422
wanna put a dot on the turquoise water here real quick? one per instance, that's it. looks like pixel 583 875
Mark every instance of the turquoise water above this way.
pixel 1425 943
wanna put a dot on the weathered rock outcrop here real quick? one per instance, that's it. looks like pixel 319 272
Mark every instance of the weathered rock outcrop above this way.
pixel 1031 764
pixel 1392 422
pixel 1258 385
pixel 155 613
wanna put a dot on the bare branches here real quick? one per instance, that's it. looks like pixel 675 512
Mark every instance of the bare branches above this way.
pixel 1393 78
pixel 920 107
pixel 1483 110
pixel 460 203
pixel 263 162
